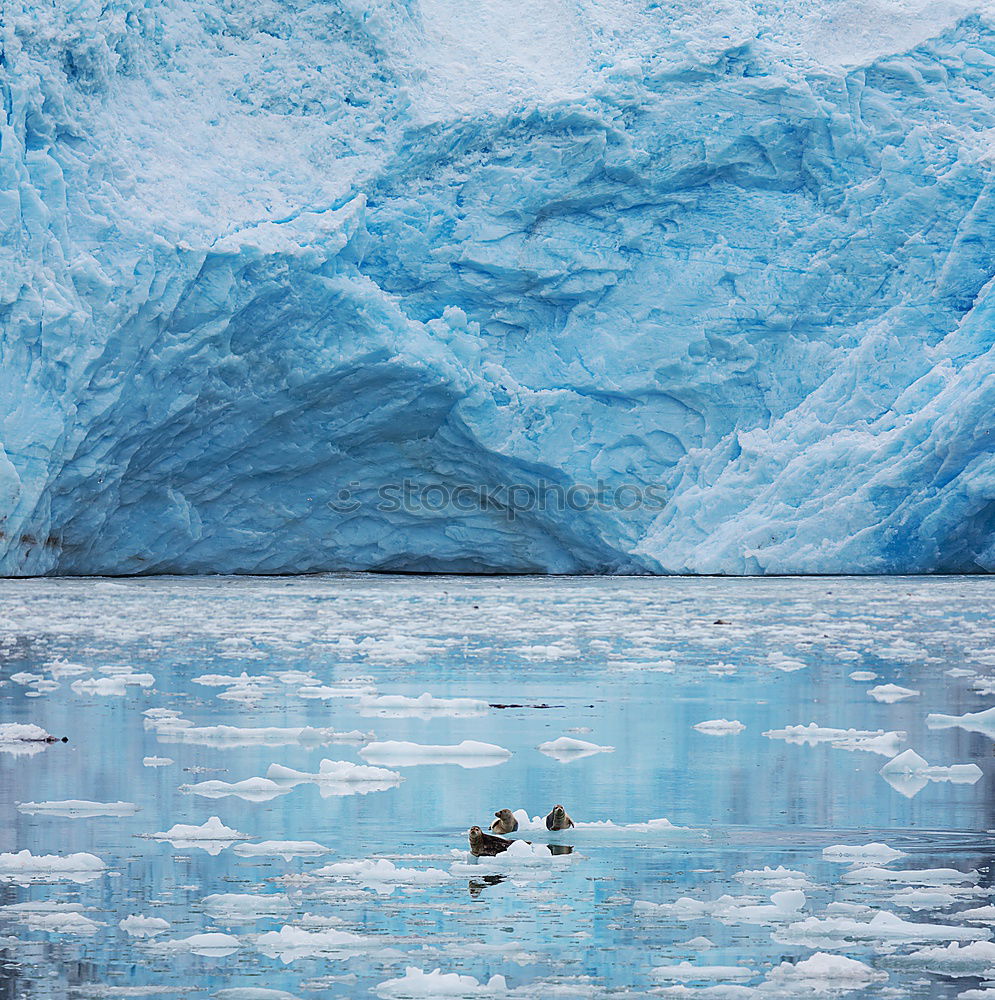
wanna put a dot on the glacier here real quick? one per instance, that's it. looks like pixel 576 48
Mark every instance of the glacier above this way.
pixel 258 258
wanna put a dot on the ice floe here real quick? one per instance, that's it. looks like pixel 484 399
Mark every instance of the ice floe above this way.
pixel 780 878
pixel 977 959
pixel 383 876
pixel 24 738
pixel 863 675
pixel 61 922
pixel 170 727
pixel 211 836
pixel 468 754
pixel 250 789
pixel 913 876
pixel 820 975
pixel 888 694
pixel 285 849
pixel 337 778
pixel 866 854
pixel 973 722
pixel 245 908
pixel 686 972
pixel 417 983
pixel 78 808
pixel 520 856
pixel 115 685
pixel 908 773
pixel 157 761
pixel 253 993
pixel 537 824
pixel 784 905
pixel 720 727
pixel 884 926
pixel 212 944
pixel 290 943
pixel 873 741
pixel 138 925
pixel 567 748
pixel 27 867
pixel 425 706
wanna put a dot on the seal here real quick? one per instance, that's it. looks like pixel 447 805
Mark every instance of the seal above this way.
pixel 483 845
pixel 558 819
pixel 505 822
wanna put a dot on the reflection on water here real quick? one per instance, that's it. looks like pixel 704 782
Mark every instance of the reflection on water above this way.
pixel 350 876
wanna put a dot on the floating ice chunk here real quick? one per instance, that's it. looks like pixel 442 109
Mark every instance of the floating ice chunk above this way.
pixel 252 993
pixel 784 905
pixel 537 824
pixel 973 722
pixel 285 849
pixel 338 778
pixel 114 686
pixel 930 899
pixel 890 693
pixel 383 876
pixel 883 926
pixel 976 959
pixel 170 728
pixel 24 738
pixel 325 692
pixel 783 878
pixel 983 994
pixel 685 972
pixel 138 925
pixel 425 706
pixel 416 983
pixel 567 748
pixel 960 672
pixel 211 836
pixel 908 773
pixel 469 753
pixel 720 727
pixel 213 944
pixel 60 669
pixel 78 808
pixel 863 675
pixel 157 761
pixel 821 975
pixel 245 908
pixel 23 678
pixel 27 867
pixel 64 922
pixel 290 943
pixel 228 680
pixel 786 663
pixel 700 943
pixel 863 855
pixel 725 991
pixel 915 876
pixel 250 789
pixel 873 741
pixel 980 914
pixel 520 856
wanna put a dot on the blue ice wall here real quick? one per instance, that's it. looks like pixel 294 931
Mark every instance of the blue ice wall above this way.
pixel 262 263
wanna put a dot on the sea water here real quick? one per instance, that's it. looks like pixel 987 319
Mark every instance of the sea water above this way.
pixel 124 668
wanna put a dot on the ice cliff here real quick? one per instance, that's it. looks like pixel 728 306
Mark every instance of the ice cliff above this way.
pixel 261 261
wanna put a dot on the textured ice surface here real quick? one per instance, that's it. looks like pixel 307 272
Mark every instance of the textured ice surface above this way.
pixel 254 256
pixel 401 753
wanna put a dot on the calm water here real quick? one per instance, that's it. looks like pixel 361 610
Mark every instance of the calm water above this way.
pixel 632 664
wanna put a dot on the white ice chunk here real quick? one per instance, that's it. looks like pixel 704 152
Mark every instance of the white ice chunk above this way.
pixel 469 753
pixel 211 836
pixel 27 867
pixel 888 694
pixel 567 748
pixel 425 706
pixel 23 738
pixel 416 983
pixel 976 959
pixel 61 922
pixel 338 778
pixel 157 761
pixel 244 908
pixel 820 975
pixel 863 675
pixel 212 944
pixel 908 773
pixel 883 926
pixel 685 972
pixel 78 808
pixel 253 993
pixel 250 789
pixel 114 686
pixel 873 741
pixel 720 727
pixel 285 849
pixel 865 854
pixel 973 722
pixel 138 925
pixel 915 876
pixel 290 943
pixel 383 876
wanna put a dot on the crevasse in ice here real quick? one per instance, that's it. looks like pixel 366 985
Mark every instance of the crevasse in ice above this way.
pixel 262 264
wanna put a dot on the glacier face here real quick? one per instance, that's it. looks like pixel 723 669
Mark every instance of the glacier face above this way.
pixel 258 258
